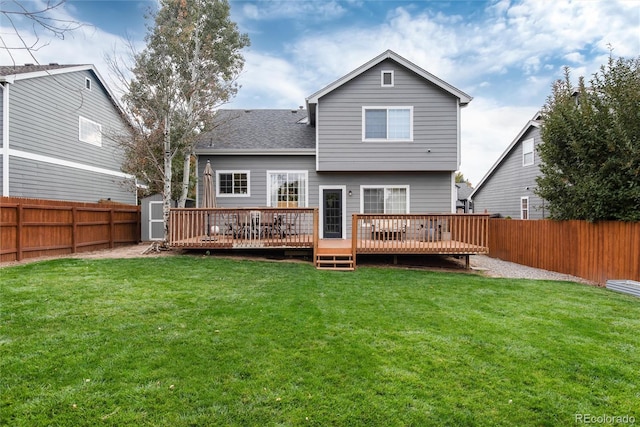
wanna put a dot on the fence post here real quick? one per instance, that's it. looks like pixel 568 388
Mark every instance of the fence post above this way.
pixel 19 232
pixel 112 229
pixel 74 230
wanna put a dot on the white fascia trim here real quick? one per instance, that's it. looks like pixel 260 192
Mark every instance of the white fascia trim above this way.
pixel 317 138
pixel 67 163
pixel 231 152
pixel 454 192
pixel 459 136
pixel 5 139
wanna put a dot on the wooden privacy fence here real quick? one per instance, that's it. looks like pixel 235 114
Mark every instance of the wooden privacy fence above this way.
pixel 32 228
pixel 594 251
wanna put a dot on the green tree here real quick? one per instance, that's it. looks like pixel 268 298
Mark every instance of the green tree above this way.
pixel 591 145
pixel 461 179
pixel 188 68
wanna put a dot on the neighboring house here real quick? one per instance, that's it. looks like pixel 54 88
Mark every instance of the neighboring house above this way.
pixel 54 135
pixel 463 204
pixel 384 138
pixel 508 188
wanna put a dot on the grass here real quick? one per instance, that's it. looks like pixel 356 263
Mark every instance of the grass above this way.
pixel 188 341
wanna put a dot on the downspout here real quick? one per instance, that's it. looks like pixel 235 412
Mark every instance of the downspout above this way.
pixel 5 137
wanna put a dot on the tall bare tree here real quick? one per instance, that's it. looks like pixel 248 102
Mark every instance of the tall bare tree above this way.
pixel 188 68
pixel 41 17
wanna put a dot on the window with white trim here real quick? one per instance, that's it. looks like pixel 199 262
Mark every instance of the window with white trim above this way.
pixel 287 189
pixel 524 207
pixel 90 131
pixel 386 78
pixel 527 152
pixel 387 123
pixel 386 199
pixel 232 183
pixel 87 83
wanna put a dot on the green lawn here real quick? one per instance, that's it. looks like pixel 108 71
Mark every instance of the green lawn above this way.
pixel 197 341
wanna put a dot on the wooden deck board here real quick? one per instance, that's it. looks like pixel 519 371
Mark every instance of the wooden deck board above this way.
pixel 450 247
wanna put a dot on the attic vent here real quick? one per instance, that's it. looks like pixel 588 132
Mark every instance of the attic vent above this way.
pixel 247 111
pixel 53 63
pixel 28 65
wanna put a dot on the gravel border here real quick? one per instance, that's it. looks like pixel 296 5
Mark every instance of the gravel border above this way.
pixel 494 267
pixel 491 267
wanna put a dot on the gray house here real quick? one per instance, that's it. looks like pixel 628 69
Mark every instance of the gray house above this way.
pixel 508 188
pixel 54 128
pixel 384 138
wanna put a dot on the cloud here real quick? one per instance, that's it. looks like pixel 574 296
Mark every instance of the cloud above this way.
pixel 272 10
pixel 269 82
pixel 488 127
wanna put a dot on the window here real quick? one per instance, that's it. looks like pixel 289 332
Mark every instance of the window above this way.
pixel 524 207
pixel 527 152
pixel 387 123
pixel 386 78
pixel 287 189
pixel 384 199
pixel 232 183
pixel 87 83
pixel 90 131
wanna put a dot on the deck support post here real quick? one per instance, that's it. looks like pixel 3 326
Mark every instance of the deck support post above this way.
pixel 467 264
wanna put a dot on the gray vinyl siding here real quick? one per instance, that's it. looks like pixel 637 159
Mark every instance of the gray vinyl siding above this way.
pixel 502 191
pixel 44 119
pixel 32 179
pixel 2 89
pixel 429 192
pixel 435 125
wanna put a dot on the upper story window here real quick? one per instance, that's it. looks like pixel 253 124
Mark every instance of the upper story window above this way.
pixel 90 131
pixel 527 152
pixel 287 189
pixel 87 83
pixel 386 199
pixel 386 78
pixel 387 123
pixel 232 183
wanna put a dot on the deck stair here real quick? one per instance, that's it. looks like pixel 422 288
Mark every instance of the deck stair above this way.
pixel 335 257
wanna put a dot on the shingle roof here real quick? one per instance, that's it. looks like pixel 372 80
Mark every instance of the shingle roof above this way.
pixel 262 130
pixel 464 191
pixel 22 69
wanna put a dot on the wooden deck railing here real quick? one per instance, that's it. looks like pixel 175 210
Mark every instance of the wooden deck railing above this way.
pixel 243 227
pixel 416 233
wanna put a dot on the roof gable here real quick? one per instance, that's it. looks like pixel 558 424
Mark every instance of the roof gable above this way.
pixel 534 122
pixel 463 97
pixel 11 74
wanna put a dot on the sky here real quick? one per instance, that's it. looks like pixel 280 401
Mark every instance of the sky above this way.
pixel 506 54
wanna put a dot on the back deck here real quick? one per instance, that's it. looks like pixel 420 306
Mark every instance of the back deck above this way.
pixel 297 228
